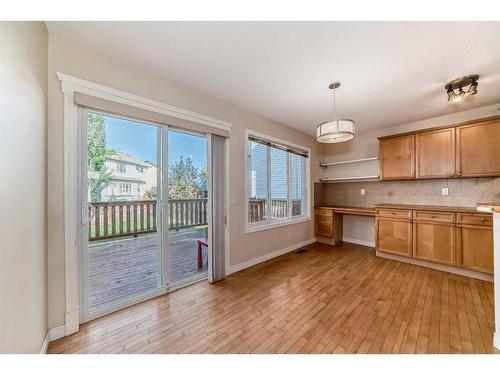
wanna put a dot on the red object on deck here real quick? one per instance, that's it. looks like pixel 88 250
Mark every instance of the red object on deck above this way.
pixel 201 242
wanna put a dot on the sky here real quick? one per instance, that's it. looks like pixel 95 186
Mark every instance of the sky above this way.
pixel 141 141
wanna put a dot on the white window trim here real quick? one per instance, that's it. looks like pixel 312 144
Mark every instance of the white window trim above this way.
pixel 266 225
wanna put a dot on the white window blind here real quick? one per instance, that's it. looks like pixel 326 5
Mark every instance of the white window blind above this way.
pixel 277 186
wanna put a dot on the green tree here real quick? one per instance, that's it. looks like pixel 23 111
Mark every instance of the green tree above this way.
pixel 183 180
pixel 150 194
pixel 99 175
pixel 202 182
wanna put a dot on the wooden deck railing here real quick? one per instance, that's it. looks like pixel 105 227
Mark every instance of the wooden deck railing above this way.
pixel 131 218
pixel 257 209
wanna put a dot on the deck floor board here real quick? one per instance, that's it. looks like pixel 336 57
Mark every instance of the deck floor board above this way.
pixel 128 267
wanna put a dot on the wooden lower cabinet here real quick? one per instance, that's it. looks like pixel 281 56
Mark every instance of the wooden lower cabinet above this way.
pixel 394 236
pixel 434 242
pixel 475 248
pixel 322 229
pixel 456 239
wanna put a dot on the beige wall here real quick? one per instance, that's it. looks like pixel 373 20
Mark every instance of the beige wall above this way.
pixel 23 125
pixel 90 65
pixel 464 192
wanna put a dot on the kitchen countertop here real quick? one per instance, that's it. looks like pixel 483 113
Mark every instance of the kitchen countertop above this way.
pixel 370 211
pixel 428 208
pixel 488 207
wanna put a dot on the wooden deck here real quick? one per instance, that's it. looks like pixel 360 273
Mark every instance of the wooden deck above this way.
pixel 324 300
pixel 126 268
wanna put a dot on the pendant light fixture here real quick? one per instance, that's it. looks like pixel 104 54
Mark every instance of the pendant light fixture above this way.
pixel 335 131
pixel 469 83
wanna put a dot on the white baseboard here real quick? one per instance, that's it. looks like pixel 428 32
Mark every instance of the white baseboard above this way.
pixel 45 344
pixel 72 322
pixel 496 340
pixel 271 255
pixel 359 242
pixel 57 332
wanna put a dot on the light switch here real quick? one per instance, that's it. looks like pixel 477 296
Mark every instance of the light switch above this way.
pixel 363 191
pixel 444 191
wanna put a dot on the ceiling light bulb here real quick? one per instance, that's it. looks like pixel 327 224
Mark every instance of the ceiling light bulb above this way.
pixel 451 94
pixel 473 89
pixel 457 98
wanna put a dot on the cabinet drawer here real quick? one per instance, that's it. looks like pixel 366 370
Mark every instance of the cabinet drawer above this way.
pixel 324 220
pixel 475 219
pixel 323 212
pixel 325 230
pixel 439 217
pixel 394 213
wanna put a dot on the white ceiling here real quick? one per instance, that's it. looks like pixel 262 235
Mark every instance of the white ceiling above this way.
pixel 391 73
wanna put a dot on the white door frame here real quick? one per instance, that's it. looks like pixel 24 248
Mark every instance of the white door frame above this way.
pixel 70 85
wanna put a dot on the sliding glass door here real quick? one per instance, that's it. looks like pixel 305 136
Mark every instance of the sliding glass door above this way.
pixel 187 206
pixel 144 201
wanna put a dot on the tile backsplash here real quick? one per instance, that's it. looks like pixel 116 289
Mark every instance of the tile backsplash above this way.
pixel 461 192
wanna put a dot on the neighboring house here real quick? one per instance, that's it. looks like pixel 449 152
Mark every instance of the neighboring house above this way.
pixel 132 177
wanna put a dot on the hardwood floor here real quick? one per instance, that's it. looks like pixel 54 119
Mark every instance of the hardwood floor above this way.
pixel 324 300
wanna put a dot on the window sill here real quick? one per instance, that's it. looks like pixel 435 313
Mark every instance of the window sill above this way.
pixel 278 224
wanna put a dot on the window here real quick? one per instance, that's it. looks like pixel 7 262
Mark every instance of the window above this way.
pixel 125 188
pixel 139 168
pixel 276 182
pixel 121 167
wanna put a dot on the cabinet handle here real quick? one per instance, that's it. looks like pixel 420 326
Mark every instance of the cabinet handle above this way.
pixel 433 216
pixel 483 219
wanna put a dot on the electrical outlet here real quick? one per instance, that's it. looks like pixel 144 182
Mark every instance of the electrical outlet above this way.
pixel 444 191
pixel 363 191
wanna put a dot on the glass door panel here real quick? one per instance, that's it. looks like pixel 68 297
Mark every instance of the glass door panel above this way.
pixel 122 245
pixel 187 206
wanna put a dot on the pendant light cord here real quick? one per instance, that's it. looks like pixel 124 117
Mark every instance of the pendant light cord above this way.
pixel 334 105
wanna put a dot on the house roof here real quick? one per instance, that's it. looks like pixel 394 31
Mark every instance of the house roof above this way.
pixel 130 179
pixel 127 158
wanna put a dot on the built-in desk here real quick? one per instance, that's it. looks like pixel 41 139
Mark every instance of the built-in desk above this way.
pixel 328 221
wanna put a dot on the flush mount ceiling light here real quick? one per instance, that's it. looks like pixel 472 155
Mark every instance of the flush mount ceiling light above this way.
pixel 466 86
pixel 336 130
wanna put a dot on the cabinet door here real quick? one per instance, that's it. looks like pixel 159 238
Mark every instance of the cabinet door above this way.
pixel 394 236
pixel 397 158
pixel 478 149
pixel 434 242
pixel 475 248
pixel 435 154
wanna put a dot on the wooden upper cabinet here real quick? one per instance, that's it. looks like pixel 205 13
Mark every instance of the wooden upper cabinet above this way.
pixel 435 154
pixel 478 149
pixel 471 149
pixel 397 157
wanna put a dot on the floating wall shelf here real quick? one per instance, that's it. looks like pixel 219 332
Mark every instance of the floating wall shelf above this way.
pixel 325 165
pixel 349 178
